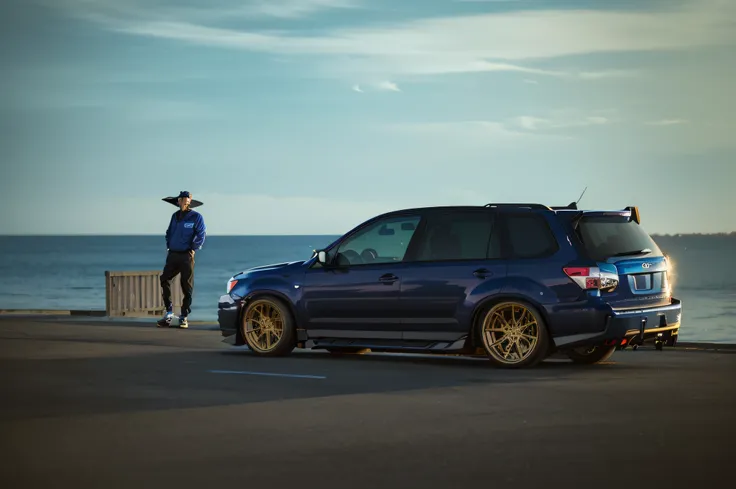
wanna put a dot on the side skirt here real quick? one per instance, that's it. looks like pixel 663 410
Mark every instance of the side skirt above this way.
pixel 387 345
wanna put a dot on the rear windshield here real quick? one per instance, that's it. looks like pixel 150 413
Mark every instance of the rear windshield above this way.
pixel 609 236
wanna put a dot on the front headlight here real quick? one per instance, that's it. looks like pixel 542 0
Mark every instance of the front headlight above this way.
pixel 230 284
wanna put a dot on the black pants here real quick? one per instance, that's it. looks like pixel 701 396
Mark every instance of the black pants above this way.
pixel 182 263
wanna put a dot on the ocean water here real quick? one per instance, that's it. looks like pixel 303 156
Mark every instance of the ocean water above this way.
pixel 69 272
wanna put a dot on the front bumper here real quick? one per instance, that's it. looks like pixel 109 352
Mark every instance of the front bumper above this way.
pixel 633 327
pixel 228 313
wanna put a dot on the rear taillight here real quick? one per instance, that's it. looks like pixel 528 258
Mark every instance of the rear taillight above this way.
pixel 667 281
pixel 592 278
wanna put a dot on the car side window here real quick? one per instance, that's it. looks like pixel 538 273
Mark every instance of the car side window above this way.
pixel 459 236
pixel 530 236
pixel 385 241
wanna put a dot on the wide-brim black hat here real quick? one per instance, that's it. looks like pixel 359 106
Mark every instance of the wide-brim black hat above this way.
pixel 175 200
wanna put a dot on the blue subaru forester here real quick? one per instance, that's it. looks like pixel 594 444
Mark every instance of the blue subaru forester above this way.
pixel 513 282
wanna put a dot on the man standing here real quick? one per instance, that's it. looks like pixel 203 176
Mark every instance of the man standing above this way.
pixel 185 235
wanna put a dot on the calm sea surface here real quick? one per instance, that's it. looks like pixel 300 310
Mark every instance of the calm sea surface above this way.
pixel 69 272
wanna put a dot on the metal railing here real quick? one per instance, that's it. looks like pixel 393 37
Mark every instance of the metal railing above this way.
pixel 138 294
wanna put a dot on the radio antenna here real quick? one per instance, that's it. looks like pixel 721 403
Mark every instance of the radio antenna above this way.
pixel 574 204
pixel 581 196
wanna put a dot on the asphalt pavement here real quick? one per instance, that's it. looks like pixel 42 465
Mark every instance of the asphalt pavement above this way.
pixel 104 404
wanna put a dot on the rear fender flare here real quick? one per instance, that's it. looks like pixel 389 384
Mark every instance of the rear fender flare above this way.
pixel 474 340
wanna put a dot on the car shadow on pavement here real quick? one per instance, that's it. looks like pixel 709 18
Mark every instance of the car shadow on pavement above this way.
pixel 553 365
pixel 104 381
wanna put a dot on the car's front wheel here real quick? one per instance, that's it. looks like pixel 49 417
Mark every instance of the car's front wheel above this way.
pixel 514 335
pixel 268 327
pixel 591 354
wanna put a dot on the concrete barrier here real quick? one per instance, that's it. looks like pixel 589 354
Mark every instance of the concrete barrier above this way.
pixel 138 294
pixel 52 312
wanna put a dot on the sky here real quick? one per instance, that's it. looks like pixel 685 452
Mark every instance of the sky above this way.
pixel 311 116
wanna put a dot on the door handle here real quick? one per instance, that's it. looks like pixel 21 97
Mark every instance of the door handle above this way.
pixel 482 273
pixel 388 278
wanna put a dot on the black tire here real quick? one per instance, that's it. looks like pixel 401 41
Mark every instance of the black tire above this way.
pixel 590 355
pixel 285 343
pixel 537 351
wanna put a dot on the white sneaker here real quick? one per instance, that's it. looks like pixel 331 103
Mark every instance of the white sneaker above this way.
pixel 165 321
pixel 183 323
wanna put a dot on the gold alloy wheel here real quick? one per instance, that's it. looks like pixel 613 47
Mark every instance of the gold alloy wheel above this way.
pixel 264 326
pixel 510 333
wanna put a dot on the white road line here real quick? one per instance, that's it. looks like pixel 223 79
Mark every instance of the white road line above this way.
pixel 242 372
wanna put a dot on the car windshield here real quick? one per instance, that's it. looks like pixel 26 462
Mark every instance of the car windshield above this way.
pixel 615 236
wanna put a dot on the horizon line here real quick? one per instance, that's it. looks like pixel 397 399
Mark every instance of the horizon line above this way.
pixel 161 235
pixel 135 235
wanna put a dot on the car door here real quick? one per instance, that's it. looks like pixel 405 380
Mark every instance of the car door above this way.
pixel 357 295
pixel 456 263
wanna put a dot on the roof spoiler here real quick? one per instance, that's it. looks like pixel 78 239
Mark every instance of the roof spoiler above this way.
pixel 634 213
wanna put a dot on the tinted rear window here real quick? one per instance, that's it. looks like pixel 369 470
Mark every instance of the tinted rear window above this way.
pixel 459 236
pixel 605 237
pixel 530 236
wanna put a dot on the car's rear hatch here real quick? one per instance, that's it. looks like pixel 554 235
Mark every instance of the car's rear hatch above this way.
pixel 616 239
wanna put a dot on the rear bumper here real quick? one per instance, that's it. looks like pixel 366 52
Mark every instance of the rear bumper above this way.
pixel 228 312
pixel 646 323
pixel 633 327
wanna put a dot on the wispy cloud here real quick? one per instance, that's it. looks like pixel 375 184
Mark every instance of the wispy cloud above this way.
pixel 565 118
pixel 535 123
pixel 597 75
pixel 532 123
pixel 295 8
pixel 205 12
pixel 384 86
pixel 511 41
pixel 667 122
pixel 389 86
pixel 485 130
pixel 510 131
pixel 529 122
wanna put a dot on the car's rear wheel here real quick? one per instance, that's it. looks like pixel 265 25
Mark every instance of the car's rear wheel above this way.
pixel 268 327
pixel 514 335
pixel 590 354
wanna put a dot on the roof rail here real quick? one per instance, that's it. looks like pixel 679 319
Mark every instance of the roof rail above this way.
pixel 527 206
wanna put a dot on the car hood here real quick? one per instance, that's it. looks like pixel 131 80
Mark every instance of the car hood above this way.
pixel 264 269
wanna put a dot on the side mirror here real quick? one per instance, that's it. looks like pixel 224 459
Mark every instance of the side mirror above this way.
pixel 322 257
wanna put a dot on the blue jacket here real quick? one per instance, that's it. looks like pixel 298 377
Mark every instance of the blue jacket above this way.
pixel 187 232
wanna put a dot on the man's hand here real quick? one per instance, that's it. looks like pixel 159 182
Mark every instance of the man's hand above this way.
pixel 191 253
